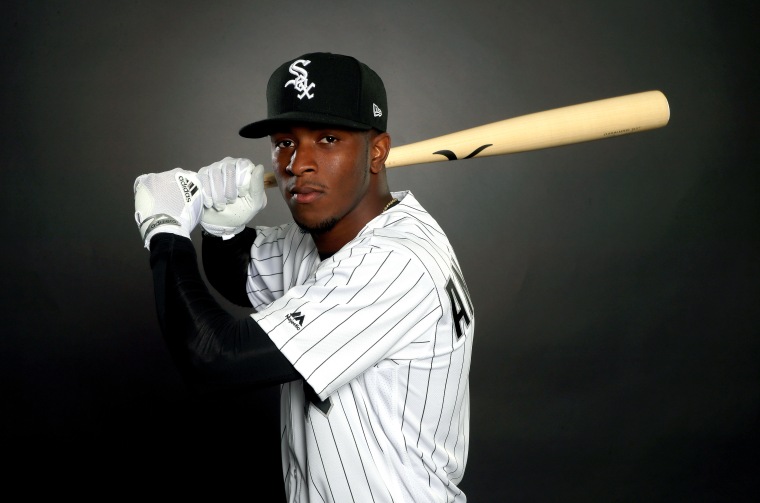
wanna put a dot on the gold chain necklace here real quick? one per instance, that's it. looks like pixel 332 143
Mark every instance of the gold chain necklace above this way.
pixel 391 203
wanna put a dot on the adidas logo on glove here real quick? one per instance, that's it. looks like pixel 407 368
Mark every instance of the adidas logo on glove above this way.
pixel 189 189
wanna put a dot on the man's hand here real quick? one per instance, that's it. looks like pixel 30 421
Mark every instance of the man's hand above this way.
pixel 233 193
pixel 170 201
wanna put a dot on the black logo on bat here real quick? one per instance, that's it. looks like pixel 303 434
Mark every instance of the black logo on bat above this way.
pixel 451 156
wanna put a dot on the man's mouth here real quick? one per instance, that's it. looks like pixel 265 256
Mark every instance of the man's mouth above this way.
pixel 305 195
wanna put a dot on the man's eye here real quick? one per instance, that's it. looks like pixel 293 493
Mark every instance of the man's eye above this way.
pixel 284 144
pixel 329 139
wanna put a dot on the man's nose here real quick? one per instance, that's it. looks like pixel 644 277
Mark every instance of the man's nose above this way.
pixel 302 161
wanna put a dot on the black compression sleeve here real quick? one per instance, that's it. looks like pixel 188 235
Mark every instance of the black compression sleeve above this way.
pixel 211 348
pixel 225 262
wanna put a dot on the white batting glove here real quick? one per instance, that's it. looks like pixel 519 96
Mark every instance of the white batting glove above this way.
pixel 170 201
pixel 233 193
pixel 222 179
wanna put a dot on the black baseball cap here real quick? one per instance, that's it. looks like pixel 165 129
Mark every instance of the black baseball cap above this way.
pixel 325 89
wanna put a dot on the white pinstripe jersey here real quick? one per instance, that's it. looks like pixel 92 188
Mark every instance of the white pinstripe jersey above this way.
pixel 382 334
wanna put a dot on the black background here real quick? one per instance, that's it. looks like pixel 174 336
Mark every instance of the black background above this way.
pixel 615 282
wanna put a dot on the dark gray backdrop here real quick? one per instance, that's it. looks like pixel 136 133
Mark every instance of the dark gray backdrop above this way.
pixel 615 282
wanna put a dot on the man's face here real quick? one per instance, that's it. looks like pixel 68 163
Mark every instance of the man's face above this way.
pixel 322 172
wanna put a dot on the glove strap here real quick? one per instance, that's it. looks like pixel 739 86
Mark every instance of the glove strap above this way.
pixel 156 221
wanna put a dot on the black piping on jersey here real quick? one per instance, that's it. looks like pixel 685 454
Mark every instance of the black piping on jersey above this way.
pixel 211 348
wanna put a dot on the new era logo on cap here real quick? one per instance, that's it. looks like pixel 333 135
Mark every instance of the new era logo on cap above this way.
pixel 325 89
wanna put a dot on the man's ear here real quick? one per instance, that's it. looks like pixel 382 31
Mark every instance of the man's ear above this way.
pixel 379 149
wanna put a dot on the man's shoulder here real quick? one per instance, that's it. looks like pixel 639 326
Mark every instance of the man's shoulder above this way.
pixel 408 220
pixel 407 229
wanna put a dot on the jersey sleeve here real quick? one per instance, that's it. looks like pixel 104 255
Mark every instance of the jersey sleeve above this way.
pixel 358 308
pixel 277 258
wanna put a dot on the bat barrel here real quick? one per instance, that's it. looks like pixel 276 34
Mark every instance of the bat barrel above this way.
pixel 594 120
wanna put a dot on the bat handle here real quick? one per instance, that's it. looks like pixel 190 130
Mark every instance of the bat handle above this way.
pixel 269 180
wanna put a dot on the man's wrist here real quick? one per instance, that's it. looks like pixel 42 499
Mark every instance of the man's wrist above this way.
pixel 221 231
pixel 165 229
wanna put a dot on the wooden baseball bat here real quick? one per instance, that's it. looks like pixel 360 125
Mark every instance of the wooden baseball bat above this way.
pixel 594 120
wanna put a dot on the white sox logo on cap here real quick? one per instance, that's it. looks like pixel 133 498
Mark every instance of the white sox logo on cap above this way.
pixel 301 82
pixel 323 88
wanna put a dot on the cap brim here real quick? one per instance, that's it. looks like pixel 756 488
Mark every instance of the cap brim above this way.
pixel 268 126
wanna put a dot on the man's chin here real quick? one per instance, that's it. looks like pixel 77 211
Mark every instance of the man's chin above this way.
pixel 318 227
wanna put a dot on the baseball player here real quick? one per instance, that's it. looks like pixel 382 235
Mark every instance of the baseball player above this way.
pixel 360 310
